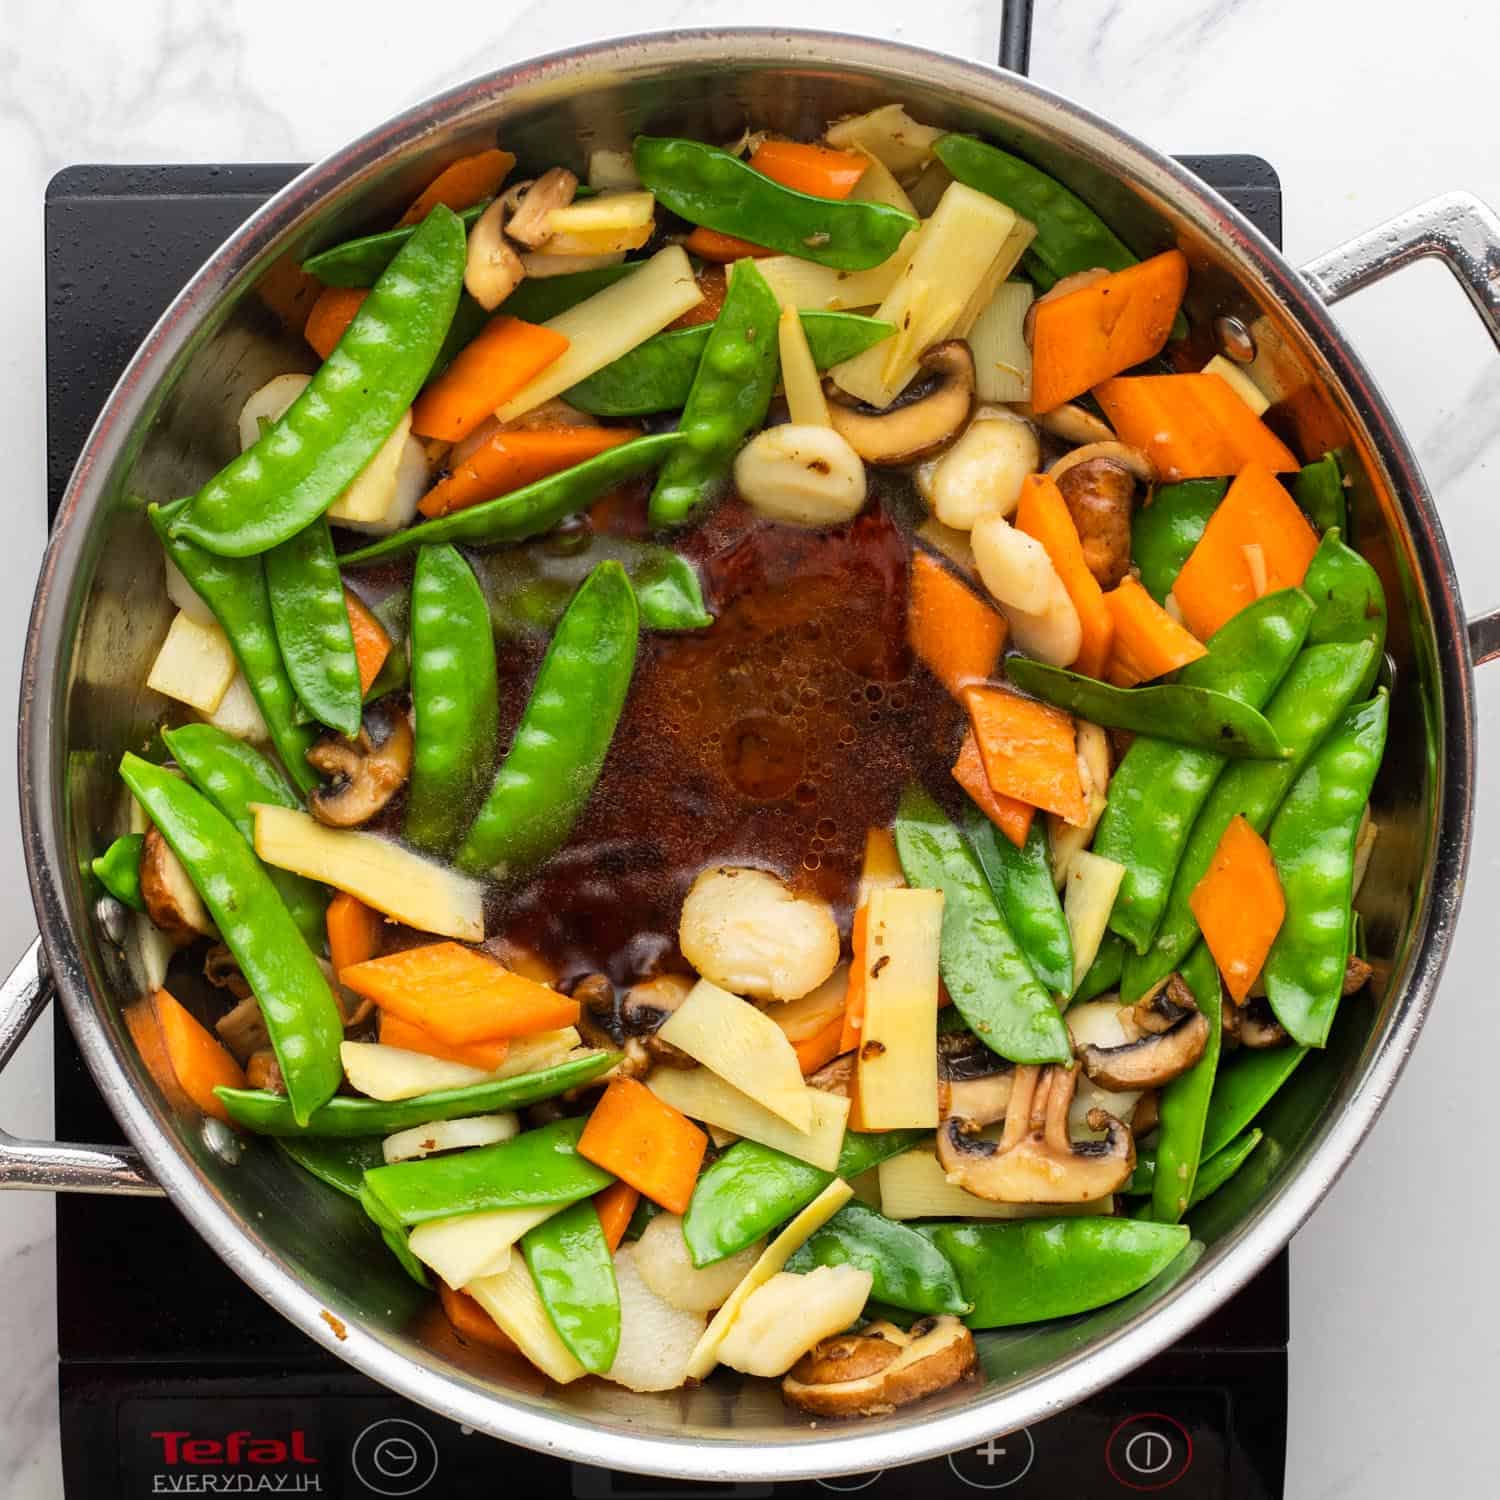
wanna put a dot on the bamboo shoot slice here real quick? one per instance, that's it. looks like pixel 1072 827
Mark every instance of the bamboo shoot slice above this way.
pixel 1088 897
pixel 464 1249
pixel 511 1299
pixel 195 664
pixel 914 1186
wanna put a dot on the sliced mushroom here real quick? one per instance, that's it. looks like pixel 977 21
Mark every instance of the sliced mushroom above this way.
pixel 1070 422
pixel 222 970
pixel 598 1023
pixel 364 773
pixel 1036 1160
pixel 1147 1114
pixel 880 1368
pixel 492 269
pixel 1098 484
pixel 836 1077
pixel 1356 975
pixel 973 1082
pixel 904 434
pixel 264 1072
pixel 646 1009
pixel 1162 1007
pixel 1156 1056
pixel 243 1030
pixel 1258 1027
pixel 553 189
pixel 172 900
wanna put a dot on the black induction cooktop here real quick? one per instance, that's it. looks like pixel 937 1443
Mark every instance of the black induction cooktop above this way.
pixel 176 1379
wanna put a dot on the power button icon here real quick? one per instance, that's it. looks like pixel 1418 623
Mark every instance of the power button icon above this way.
pixel 1149 1451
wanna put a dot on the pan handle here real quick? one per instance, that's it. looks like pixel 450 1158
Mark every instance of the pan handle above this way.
pixel 51 1165
pixel 1463 232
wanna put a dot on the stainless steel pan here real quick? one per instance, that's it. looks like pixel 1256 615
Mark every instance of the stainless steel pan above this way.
pixel 100 612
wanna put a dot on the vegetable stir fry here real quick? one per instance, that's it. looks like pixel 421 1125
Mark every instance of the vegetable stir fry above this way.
pixel 763 764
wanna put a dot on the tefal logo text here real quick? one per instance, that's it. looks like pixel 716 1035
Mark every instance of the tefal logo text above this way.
pixel 233 1448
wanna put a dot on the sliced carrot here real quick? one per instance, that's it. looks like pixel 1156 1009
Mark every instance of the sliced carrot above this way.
pixel 1219 578
pixel 462 184
pixel 1010 815
pixel 616 1207
pixel 459 995
pixel 1043 514
pixel 145 1030
pixel 950 627
pixel 821 1048
pixel 646 1143
pixel 354 931
pixel 1118 321
pixel 471 1321
pixel 1029 750
pixel 818 170
pixel 509 461
pixel 713 282
pixel 199 1060
pixel 486 1056
pixel 371 643
pixel 709 244
pixel 1190 426
pixel 854 997
pixel 486 373
pixel 331 314
pixel 1148 641
pixel 1240 906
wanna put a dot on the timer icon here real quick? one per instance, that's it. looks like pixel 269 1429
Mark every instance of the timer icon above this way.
pixel 394 1457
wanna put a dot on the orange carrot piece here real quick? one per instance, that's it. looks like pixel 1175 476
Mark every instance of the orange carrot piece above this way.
pixel 145 1031
pixel 331 314
pixel 471 1321
pixel 1043 514
pixel 459 995
pixel 615 1206
pixel 645 1142
pixel 950 627
pixel 486 373
pixel 818 170
pixel 854 997
pixel 353 931
pixel 1120 320
pixel 1190 426
pixel 709 244
pixel 1240 906
pixel 1010 815
pixel 1029 750
pixel 462 184
pixel 509 461
pixel 371 643
pixel 1216 583
pixel 199 1060
pixel 1148 641
pixel 821 1048
pixel 486 1056
pixel 713 282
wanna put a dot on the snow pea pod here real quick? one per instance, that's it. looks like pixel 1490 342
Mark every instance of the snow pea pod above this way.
pixel 1037 1269
pixel 1348 600
pixel 393 1234
pixel 565 731
pixel 1312 841
pixel 233 776
pixel 1104 973
pixel 341 1164
pixel 1175 711
pixel 345 1116
pixel 1164 533
pixel 1244 1087
pixel 1212 1175
pixel 528 511
pixel 1184 1101
pixel 1021 881
pixel 455 694
pixel 570 1262
pixel 982 964
pixel 234 588
pixel 1319 490
pixel 657 375
pixel 668 590
pixel 708 186
pixel 1321 684
pixel 118 869
pixel 359 262
pixel 312 626
pixel 909 1271
pixel 1158 787
pixel 300 1012
pixel 302 463
pixel 727 401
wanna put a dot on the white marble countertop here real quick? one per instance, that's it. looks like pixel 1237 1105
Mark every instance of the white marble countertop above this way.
pixel 1394 1302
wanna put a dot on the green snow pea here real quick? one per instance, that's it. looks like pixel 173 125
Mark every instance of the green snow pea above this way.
pixel 359 262
pixel 1184 1101
pixel 455 694
pixel 528 511
pixel 574 1271
pixel 1321 684
pixel 1312 841
pixel 468 318
pixel 708 186
pixel 302 463
pixel 1244 1087
pixel 751 1189
pixel 118 869
pixel 565 731
pixel 728 399
pixel 1348 600
pixel 982 964
pixel 395 1237
pixel 234 588
pixel 341 1164
pixel 1037 1269
pixel 233 776
pixel 345 1116
pixel 1164 533
pixel 1319 490
pixel 668 590
pixel 534 1168
pixel 1212 1175
pixel 299 1009
pixel 1185 715
pixel 657 375
pixel 1158 787
pixel 909 1270
pixel 1021 881
pixel 539 298
pixel 1103 974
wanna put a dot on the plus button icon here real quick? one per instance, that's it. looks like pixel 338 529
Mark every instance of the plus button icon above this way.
pixel 997 1464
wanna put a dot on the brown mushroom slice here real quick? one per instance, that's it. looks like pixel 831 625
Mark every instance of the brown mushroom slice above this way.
pixel 1036 1160
pixel 904 434
pixel 880 1368
pixel 364 774
pixel 1356 975
pixel 243 1030
pixel 973 1082
pixel 262 1071
pixel 1258 1027
pixel 836 1077
pixel 1098 483
pixel 172 900
pixel 1153 1059
pixel 492 269
pixel 1070 422
pixel 647 1007
pixel 553 189
pixel 222 970
pixel 1161 1008
pixel 1147 1114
